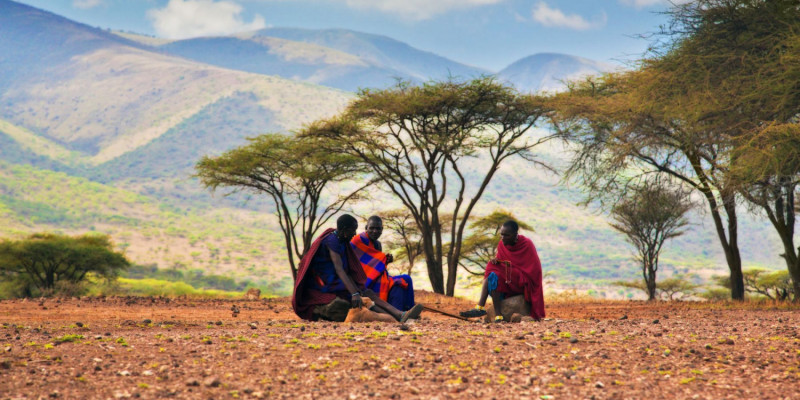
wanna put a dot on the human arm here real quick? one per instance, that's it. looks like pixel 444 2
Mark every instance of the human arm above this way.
pixel 338 266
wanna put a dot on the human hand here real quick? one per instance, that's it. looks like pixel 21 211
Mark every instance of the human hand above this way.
pixel 356 301
pixel 389 258
pixel 494 261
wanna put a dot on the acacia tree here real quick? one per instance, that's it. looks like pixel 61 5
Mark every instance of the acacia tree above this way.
pixel 45 260
pixel 726 70
pixel 739 61
pixel 420 140
pixel 296 174
pixel 651 214
pixel 480 246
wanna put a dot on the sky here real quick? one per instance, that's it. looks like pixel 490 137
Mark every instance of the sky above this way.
pixel 490 34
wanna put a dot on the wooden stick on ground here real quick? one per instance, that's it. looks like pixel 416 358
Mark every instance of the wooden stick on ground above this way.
pixel 446 313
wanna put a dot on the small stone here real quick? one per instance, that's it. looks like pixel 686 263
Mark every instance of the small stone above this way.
pixel 212 382
pixel 79 324
pixel 218 323
pixel 729 341
pixel 655 321
pixel 599 385
pixel 148 373
pixel 623 317
pixel 55 394
pixel 413 390
pixel 438 359
pixel 5 364
pixel 516 318
pixel 123 373
pixel 253 325
pixel 573 340
pixel 403 327
pixel 147 321
pixel 192 382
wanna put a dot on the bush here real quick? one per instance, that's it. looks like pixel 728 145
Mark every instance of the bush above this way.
pixel 48 264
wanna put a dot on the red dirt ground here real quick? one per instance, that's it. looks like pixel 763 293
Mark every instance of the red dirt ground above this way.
pixel 182 348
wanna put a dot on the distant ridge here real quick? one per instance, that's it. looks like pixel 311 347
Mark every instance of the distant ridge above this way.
pixel 547 71
pixel 339 58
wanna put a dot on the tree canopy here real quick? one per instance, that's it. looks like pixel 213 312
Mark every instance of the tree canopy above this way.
pixel 295 174
pixel 420 142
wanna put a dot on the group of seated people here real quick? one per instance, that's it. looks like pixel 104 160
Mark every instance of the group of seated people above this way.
pixel 342 268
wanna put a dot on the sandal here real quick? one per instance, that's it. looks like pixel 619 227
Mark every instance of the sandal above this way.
pixel 473 313
pixel 413 313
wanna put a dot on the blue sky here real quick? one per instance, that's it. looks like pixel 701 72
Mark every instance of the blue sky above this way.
pixel 485 33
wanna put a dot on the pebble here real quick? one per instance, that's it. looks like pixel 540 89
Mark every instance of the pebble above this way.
pixel 79 324
pixel 623 317
pixel 599 385
pixel 147 321
pixel 212 382
pixel 192 382
pixel 655 321
pixel 573 340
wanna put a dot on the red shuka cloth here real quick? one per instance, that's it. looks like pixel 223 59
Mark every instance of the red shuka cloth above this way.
pixel 304 298
pixel 524 275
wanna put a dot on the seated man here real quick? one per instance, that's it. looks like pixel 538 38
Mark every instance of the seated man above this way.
pixel 516 269
pixel 330 279
pixel 397 290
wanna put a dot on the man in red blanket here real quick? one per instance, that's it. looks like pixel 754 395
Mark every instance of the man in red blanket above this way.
pixel 397 290
pixel 330 280
pixel 515 270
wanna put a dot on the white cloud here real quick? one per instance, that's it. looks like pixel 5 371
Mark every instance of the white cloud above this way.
pixel 417 9
pixel 648 3
pixel 553 17
pixel 86 3
pixel 181 19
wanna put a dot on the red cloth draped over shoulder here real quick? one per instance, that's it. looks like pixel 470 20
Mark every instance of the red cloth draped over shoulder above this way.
pixel 525 272
pixel 304 298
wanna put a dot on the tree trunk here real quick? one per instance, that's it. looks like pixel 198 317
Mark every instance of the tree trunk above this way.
pixel 651 283
pixel 452 267
pixel 435 274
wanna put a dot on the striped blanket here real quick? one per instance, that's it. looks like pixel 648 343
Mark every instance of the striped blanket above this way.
pixel 374 263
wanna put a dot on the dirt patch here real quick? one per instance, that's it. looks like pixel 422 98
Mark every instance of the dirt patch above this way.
pixel 181 348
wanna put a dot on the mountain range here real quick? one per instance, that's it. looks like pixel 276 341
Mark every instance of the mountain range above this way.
pixel 100 130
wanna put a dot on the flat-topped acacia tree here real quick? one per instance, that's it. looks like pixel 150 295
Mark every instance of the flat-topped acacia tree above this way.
pixel 295 174
pixel 420 142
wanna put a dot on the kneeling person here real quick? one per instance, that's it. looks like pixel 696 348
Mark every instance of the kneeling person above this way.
pixel 515 270
pixel 330 280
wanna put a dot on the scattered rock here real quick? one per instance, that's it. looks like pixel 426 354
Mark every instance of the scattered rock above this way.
pixel 79 324
pixel 218 323
pixel 573 340
pixel 624 317
pixel 212 381
pixel 599 385
pixel 147 321
pixel 655 321
pixel 192 382
pixel 516 318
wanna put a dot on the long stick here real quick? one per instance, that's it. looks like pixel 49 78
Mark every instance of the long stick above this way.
pixel 446 313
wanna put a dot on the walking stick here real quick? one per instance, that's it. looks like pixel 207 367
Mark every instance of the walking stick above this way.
pixel 426 308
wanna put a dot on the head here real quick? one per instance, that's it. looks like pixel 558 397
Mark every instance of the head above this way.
pixel 346 227
pixel 374 227
pixel 508 232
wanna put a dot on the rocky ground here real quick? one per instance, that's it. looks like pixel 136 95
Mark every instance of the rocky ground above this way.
pixel 179 348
